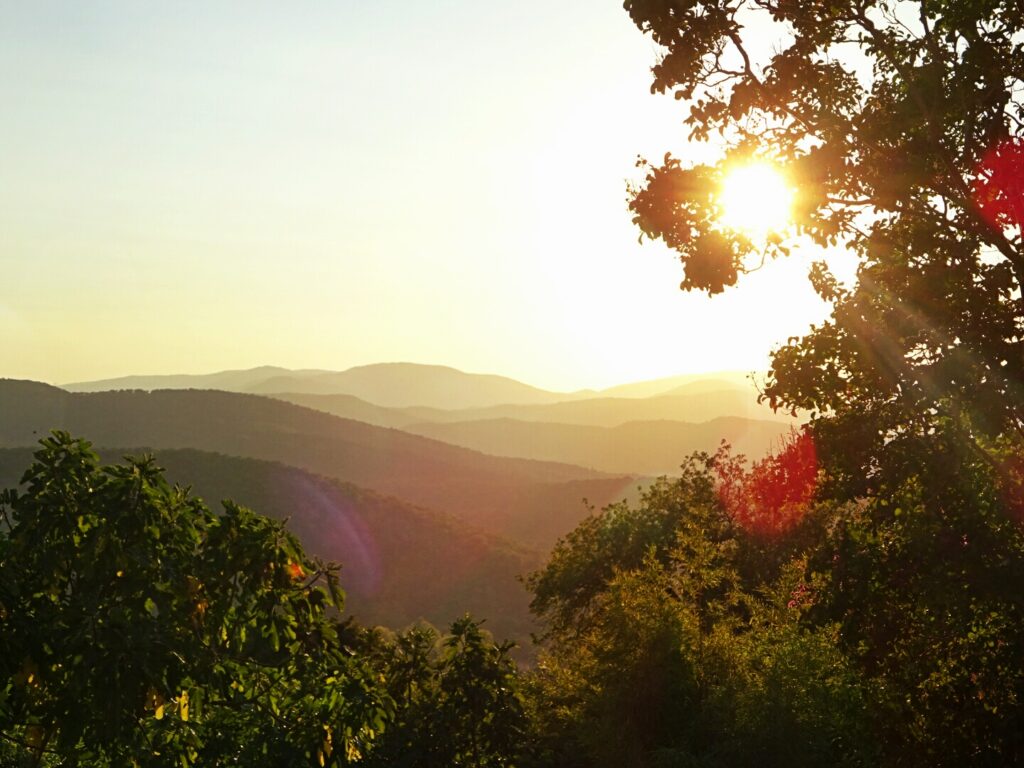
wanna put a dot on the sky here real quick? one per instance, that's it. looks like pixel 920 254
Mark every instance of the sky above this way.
pixel 195 186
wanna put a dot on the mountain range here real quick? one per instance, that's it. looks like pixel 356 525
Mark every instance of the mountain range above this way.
pixel 387 384
pixel 681 404
pixel 399 385
pixel 490 492
pixel 433 487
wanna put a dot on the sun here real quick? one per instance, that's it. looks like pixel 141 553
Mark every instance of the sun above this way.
pixel 756 200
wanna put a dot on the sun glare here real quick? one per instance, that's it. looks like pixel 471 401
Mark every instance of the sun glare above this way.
pixel 756 199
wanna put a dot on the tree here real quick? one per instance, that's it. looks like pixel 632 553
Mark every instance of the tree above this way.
pixel 923 588
pixel 901 127
pixel 670 644
pixel 457 698
pixel 139 628
pixel 620 538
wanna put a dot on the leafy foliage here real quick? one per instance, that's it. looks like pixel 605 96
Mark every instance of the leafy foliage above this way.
pixel 685 646
pixel 139 628
pixel 880 632
pixel 621 537
pixel 458 698
pixel 901 127
pixel 923 585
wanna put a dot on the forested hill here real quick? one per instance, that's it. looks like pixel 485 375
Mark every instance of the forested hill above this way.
pixel 642 447
pixel 687 404
pixel 390 551
pixel 532 502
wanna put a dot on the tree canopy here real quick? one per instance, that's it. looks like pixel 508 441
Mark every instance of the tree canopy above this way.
pixel 853 599
pixel 900 126
pixel 137 627
pixel 729 619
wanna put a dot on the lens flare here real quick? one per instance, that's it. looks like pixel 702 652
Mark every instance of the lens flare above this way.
pixel 773 495
pixel 999 185
pixel 756 200
pixel 333 524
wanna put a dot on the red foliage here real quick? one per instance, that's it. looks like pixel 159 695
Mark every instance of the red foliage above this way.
pixel 773 495
pixel 1012 471
pixel 999 186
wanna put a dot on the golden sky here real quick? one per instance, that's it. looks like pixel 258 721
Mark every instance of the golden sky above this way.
pixel 188 187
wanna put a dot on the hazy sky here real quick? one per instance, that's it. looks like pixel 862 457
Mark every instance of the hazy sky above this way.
pixel 193 186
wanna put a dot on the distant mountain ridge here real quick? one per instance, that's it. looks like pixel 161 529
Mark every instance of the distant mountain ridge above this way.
pixel 687 382
pixel 407 384
pixel 693 403
pixel 401 385
pixel 637 436
pixel 382 384
pixel 232 381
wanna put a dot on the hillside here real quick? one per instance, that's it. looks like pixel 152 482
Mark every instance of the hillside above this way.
pixel 613 411
pixel 685 405
pixel 637 447
pixel 351 407
pixel 400 562
pixel 494 493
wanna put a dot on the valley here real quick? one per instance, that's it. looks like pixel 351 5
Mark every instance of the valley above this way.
pixel 436 490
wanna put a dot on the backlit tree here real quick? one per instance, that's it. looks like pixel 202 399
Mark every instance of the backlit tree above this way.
pixel 900 128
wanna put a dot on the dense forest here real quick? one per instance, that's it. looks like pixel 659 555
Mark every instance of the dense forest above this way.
pixel 728 618
pixel 853 598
